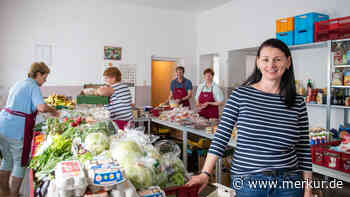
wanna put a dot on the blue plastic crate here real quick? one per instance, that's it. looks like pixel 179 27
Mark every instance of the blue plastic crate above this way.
pixel 304 26
pixel 286 37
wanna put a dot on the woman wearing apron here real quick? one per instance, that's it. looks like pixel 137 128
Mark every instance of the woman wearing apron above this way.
pixel 181 88
pixel 120 97
pixel 17 121
pixel 209 96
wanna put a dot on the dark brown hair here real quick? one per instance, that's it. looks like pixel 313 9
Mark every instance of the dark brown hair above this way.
pixel 180 68
pixel 113 72
pixel 209 70
pixel 38 67
pixel 287 84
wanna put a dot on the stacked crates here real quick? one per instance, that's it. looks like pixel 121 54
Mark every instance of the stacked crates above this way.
pixel 304 27
pixel 285 30
pixel 299 29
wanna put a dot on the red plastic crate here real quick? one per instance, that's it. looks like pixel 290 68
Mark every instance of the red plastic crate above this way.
pixel 182 191
pixel 332 159
pixel 346 162
pixel 317 154
pixel 334 29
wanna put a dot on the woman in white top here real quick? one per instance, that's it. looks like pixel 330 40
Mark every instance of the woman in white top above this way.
pixel 209 96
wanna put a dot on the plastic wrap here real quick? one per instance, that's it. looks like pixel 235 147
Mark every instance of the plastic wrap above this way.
pixel 104 176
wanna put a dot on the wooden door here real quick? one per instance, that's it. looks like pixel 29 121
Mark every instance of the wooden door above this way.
pixel 162 74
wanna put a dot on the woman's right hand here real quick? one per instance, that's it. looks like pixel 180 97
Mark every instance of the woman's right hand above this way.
pixel 201 180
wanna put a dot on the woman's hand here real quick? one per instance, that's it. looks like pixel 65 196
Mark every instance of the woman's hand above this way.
pixel 105 91
pixel 201 179
pixel 308 192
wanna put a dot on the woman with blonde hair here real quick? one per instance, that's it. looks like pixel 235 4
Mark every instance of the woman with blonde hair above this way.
pixel 17 121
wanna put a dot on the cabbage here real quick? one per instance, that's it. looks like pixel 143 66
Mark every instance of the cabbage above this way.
pixel 126 152
pixel 139 175
pixel 96 143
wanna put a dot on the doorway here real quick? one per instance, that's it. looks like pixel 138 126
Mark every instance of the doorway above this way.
pixel 162 74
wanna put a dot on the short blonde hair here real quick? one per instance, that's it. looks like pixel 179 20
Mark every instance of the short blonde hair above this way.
pixel 36 67
pixel 113 72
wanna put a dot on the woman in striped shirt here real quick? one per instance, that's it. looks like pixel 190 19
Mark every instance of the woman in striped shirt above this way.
pixel 272 142
pixel 120 97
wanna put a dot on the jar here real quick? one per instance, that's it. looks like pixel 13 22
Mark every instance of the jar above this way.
pixel 337 78
pixel 347 77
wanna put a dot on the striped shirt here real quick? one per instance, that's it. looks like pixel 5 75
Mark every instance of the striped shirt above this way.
pixel 270 135
pixel 120 103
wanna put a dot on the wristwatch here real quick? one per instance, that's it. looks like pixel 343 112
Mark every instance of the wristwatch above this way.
pixel 206 173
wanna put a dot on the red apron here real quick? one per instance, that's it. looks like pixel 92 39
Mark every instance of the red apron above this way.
pixel 180 93
pixel 121 123
pixel 210 111
pixel 28 133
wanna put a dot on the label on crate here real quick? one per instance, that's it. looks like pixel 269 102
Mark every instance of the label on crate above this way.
pixel 107 175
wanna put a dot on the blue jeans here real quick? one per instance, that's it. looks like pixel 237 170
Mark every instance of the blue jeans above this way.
pixel 260 185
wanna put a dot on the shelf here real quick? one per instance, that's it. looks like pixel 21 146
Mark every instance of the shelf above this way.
pixel 340 86
pixel 340 107
pixel 341 66
pixel 309 46
pixel 341 40
pixel 331 173
pixel 316 105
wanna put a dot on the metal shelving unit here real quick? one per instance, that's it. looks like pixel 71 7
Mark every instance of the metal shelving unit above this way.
pixel 202 133
pixel 316 105
pixel 331 173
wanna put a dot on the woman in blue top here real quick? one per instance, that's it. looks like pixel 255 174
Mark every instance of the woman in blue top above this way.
pixel 272 140
pixel 16 126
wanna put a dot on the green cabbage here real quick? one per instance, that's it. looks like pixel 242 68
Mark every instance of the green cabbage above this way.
pixel 139 175
pixel 126 152
pixel 96 143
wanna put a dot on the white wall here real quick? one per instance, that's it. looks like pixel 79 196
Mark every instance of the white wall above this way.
pixel 243 24
pixel 79 29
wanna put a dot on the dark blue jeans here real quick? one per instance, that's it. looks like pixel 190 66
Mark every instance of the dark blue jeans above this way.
pixel 260 185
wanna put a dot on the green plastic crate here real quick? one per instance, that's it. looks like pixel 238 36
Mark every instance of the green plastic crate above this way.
pixel 83 99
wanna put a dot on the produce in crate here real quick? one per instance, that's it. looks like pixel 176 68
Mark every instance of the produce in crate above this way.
pixel 56 100
pixel 44 164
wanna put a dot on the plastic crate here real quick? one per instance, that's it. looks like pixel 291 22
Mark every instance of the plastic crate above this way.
pixel 304 27
pixel 338 28
pixel 317 154
pixel 346 162
pixel 285 25
pixel 84 99
pixel 182 191
pixel 286 37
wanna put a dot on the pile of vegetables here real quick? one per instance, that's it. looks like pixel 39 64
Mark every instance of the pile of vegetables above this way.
pixel 72 138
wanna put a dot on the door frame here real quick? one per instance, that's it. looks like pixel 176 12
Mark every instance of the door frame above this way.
pixel 178 60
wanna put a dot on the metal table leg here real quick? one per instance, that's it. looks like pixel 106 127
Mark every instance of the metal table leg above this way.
pixel 218 170
pixel 184 154
pixel 149 126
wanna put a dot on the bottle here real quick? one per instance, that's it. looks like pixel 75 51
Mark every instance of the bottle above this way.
pixel 309 87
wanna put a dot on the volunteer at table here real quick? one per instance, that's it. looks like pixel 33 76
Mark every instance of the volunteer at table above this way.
pixel 209 96
pixel 120 97
pixel 181 88
pixel 272 121
pixel 17 121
